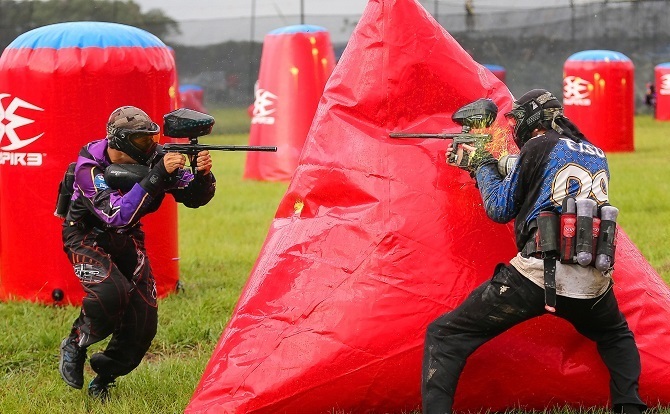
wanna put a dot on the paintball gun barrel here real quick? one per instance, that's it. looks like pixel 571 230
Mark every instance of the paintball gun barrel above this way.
pixel 478 114
pixel 194 149
pixel 187 123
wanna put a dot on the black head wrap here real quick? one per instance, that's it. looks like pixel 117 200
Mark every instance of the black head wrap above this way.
pixel 540 108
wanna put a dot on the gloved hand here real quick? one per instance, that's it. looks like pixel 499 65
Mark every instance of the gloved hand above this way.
pixel 159 176
pixel 204 162
pixel 479 157
pixel 173 161
pixel 470 158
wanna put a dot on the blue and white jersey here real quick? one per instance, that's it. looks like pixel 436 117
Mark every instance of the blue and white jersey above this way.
pixel 550 167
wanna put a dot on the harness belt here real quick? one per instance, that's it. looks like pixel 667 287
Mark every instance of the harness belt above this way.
pixel 81 225
pixel 586 237
pixel 547 236
pixel 542 245
pixel 550 284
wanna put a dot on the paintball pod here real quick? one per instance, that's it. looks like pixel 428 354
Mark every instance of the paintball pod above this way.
pixel 475 115
pixel 187 123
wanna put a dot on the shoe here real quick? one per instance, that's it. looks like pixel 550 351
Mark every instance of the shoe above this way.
pixel 99 387
pixel 71 363
pixel 627 409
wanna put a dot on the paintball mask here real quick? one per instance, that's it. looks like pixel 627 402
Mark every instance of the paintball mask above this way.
pixel 530 111
pixel 130 130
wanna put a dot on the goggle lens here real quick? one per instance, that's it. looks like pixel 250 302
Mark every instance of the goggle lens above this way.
pixel 143 142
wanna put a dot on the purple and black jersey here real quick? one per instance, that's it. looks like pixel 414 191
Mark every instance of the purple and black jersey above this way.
pixel 550 167
pixel 96 204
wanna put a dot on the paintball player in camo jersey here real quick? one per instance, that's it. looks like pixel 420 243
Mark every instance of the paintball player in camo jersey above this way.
pixel 104 241
pixel 556 161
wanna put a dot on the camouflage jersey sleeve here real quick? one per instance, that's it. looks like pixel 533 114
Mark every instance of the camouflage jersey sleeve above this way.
pixel 550 167
pixel 500 195
pixel 513 196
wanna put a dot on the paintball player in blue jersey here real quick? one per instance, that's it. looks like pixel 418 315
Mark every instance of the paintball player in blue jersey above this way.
pixel 559 177
pixel 104 241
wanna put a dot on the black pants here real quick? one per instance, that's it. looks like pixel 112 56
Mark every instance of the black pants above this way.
pixel 507 300
pixel 120 299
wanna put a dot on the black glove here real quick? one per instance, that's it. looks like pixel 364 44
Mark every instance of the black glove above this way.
pixel 158 179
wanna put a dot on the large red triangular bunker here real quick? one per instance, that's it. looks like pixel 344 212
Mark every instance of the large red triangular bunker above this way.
pixel 376 237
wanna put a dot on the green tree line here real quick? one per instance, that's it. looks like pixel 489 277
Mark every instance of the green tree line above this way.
pixel 232 66
pixel 17 17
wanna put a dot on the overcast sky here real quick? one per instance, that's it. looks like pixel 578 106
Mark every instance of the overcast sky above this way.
pixel 211 9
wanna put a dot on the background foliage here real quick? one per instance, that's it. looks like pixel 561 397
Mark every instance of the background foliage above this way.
pixel 18 17
pixel 223 54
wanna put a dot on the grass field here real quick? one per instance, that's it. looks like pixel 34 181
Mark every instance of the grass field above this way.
pixel 219 244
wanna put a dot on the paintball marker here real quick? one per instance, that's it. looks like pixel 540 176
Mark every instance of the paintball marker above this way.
pixel 187 123
pixel 478 114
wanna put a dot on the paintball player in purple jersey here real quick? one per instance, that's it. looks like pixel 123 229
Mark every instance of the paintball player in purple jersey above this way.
pixel 104 241
pixel 557 169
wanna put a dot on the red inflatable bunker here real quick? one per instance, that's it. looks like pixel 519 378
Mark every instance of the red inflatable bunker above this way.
pixel 295 64
pixel 497 70
pixel 58 85
pixel 598 95
pixel 376 237
pixel 662 83
pixel 192 97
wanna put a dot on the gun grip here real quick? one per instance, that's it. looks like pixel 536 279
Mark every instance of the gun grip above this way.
pixel 193 161
pixel 459 157
pixel 452 158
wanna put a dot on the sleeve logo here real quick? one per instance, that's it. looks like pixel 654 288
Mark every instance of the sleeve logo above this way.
pixel 100 183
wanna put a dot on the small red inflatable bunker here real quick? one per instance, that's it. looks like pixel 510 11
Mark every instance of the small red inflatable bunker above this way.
pixel 192 97
pixel 295 65
pixel 497 70
pixel 662 84
pixel 58 85
pixel 598 95
pixel 376 237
